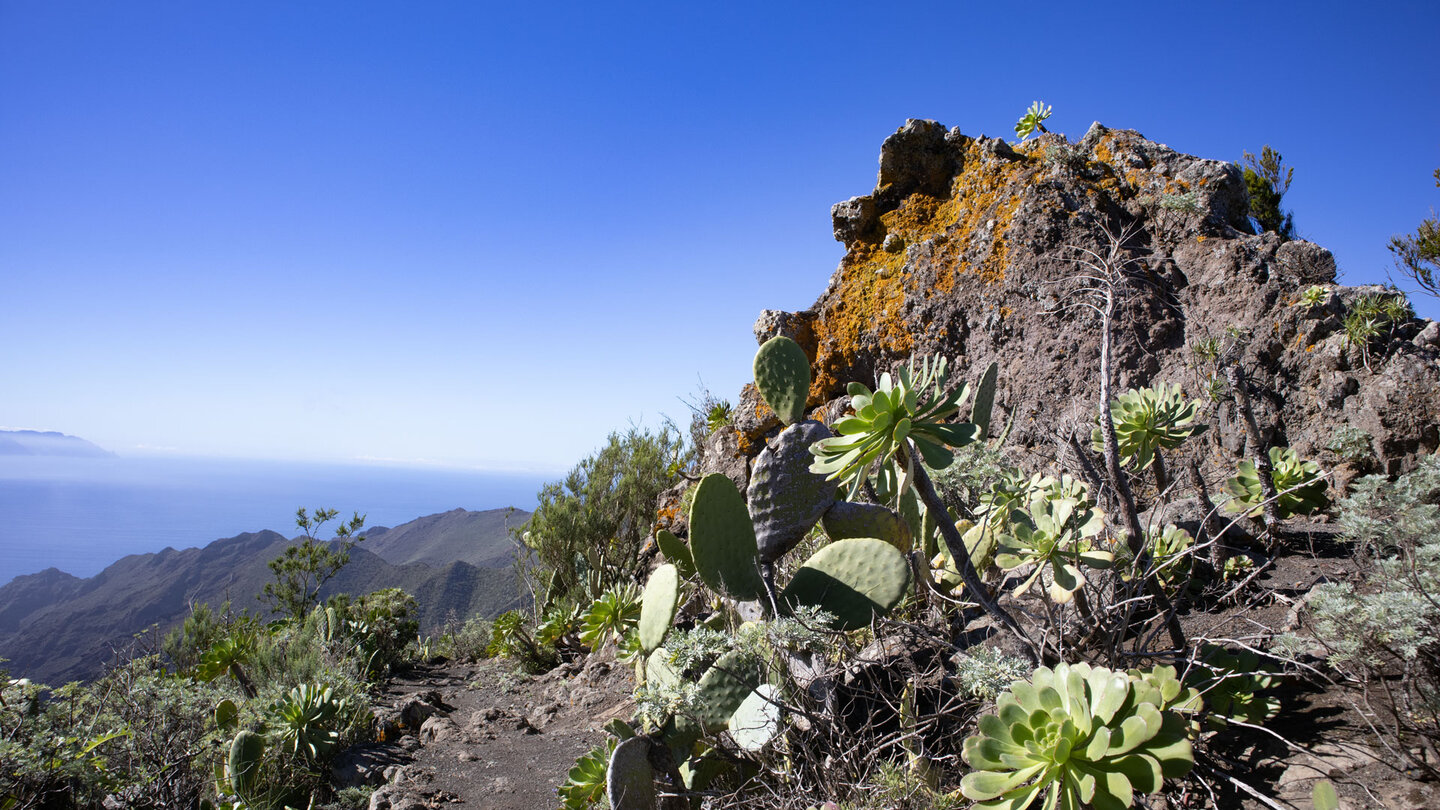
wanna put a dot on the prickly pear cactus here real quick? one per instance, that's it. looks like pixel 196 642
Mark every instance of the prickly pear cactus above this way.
pixel 243 766
pixel 721 690
pixel 855 580
pixel 657 607
pixel 676 553
pixel 629 779
pixel 782 374
pixel 845 520
pixel 658 671
pixel 786 499
pixel 757 720
pixel 722 539
pixel 226 715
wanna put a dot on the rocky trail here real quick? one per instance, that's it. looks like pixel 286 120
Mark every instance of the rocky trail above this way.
pixel 483 736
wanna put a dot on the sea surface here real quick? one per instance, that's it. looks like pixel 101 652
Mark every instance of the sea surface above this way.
pixel 82 514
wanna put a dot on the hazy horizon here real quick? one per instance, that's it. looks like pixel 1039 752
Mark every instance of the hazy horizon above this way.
pixel 487 235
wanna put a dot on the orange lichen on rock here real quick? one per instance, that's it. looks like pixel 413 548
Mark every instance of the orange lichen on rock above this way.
pixel 865 311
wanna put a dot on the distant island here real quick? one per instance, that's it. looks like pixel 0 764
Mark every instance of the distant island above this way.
pixel 48 443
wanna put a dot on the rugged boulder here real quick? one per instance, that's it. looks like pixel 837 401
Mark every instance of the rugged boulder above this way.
pixel 973 248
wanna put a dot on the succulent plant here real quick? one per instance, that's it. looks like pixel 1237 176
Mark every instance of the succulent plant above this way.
pixel 611 616
pixel 1314 296
pixel 1169 551
pixel 306 718
pixel 1054 535
pixel 1147 420
pixel 1082 736
pixel 1299 485
pixel 227 715
pixel 676 553
pixel 584 787
pixel 657 607
pixel 756 721
pixel 1233 685
pixel 782 375
pixel 247 751
pixel 857 580
pixel 629 778
pixel 913 405
pixel 722 539
pixel 785 498
pixel 1032 120
pixel 846 520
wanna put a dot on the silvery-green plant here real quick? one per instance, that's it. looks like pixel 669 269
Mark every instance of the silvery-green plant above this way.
pixel 915 404
pixel 1148 420
pixel 1032 120
pixel 1299 485
pixel 1079 736
pixel 1055 535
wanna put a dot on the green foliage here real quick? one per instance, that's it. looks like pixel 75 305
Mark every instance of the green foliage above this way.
pixel 914 406
pixel 611 616
pixel 512 639
pixel 381 627
pixel 306 566
pixel 857 580
pixel 722 539
pixel 308 721
pixel 1374 316
pixel 588 529
pixel 1298 484
pixel 1186 203
pixel 782 375
pixel 1417 255
pixel 984 672
pixel 718 416
pixel 657 610
pixel 1054 535
pixel 1234 686
pixel 1083 736
pixel 1351 444
pixel 242 767
pixel 469 642
pixel 584 787
pixel 1323 797
pixel 1207 349
pixel 1032 120
pixel 1388 621
pixel 1148 420
pixel 1170 550
pixel 1267 179
pixel 675 550
pixel 1314 296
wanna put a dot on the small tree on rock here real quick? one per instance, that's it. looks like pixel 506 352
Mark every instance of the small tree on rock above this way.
pixel 1418 254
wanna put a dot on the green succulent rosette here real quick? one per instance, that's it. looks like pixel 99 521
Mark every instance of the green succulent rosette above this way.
pixel 914 405
pixel 1149 419
pixel 1298 483
pixel 1054 535
pixel 1072 737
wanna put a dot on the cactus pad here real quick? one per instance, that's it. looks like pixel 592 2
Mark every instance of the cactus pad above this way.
pixel 658 671
pixel 721 690
pixel 629 778
pixel 657 607
pixel 786 499
pixel 846 520
pixel 722 539
pixel 856 580
pixel 246 751
pixel 757 720
pixel 226 715
pixel 676 553
pixel 782 374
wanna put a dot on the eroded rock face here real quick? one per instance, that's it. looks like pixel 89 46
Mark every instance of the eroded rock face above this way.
pixel 969 247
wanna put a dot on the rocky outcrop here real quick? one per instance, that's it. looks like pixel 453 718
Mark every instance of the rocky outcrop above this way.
pixel 969 247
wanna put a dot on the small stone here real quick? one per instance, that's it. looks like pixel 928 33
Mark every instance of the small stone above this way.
pixel 894 243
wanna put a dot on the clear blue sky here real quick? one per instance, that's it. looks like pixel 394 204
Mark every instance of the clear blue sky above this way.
pixel 488 234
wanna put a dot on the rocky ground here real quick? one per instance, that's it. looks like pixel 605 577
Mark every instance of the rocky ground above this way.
pixel 484 736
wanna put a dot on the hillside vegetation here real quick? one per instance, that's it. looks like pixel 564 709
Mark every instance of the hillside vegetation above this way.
pixel 1083 484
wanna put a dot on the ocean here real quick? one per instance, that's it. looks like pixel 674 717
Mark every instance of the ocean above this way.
pixel 82 514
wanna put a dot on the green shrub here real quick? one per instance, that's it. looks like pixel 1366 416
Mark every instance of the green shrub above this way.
pixel 1299 486
pixel 1267 179
pixel 1351 444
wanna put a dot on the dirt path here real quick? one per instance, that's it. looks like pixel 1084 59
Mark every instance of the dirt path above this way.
pixel 482 736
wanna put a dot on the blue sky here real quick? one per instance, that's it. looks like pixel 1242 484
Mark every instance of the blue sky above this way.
pixel 487 234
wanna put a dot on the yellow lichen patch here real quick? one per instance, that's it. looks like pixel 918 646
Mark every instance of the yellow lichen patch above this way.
pixel 966 230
